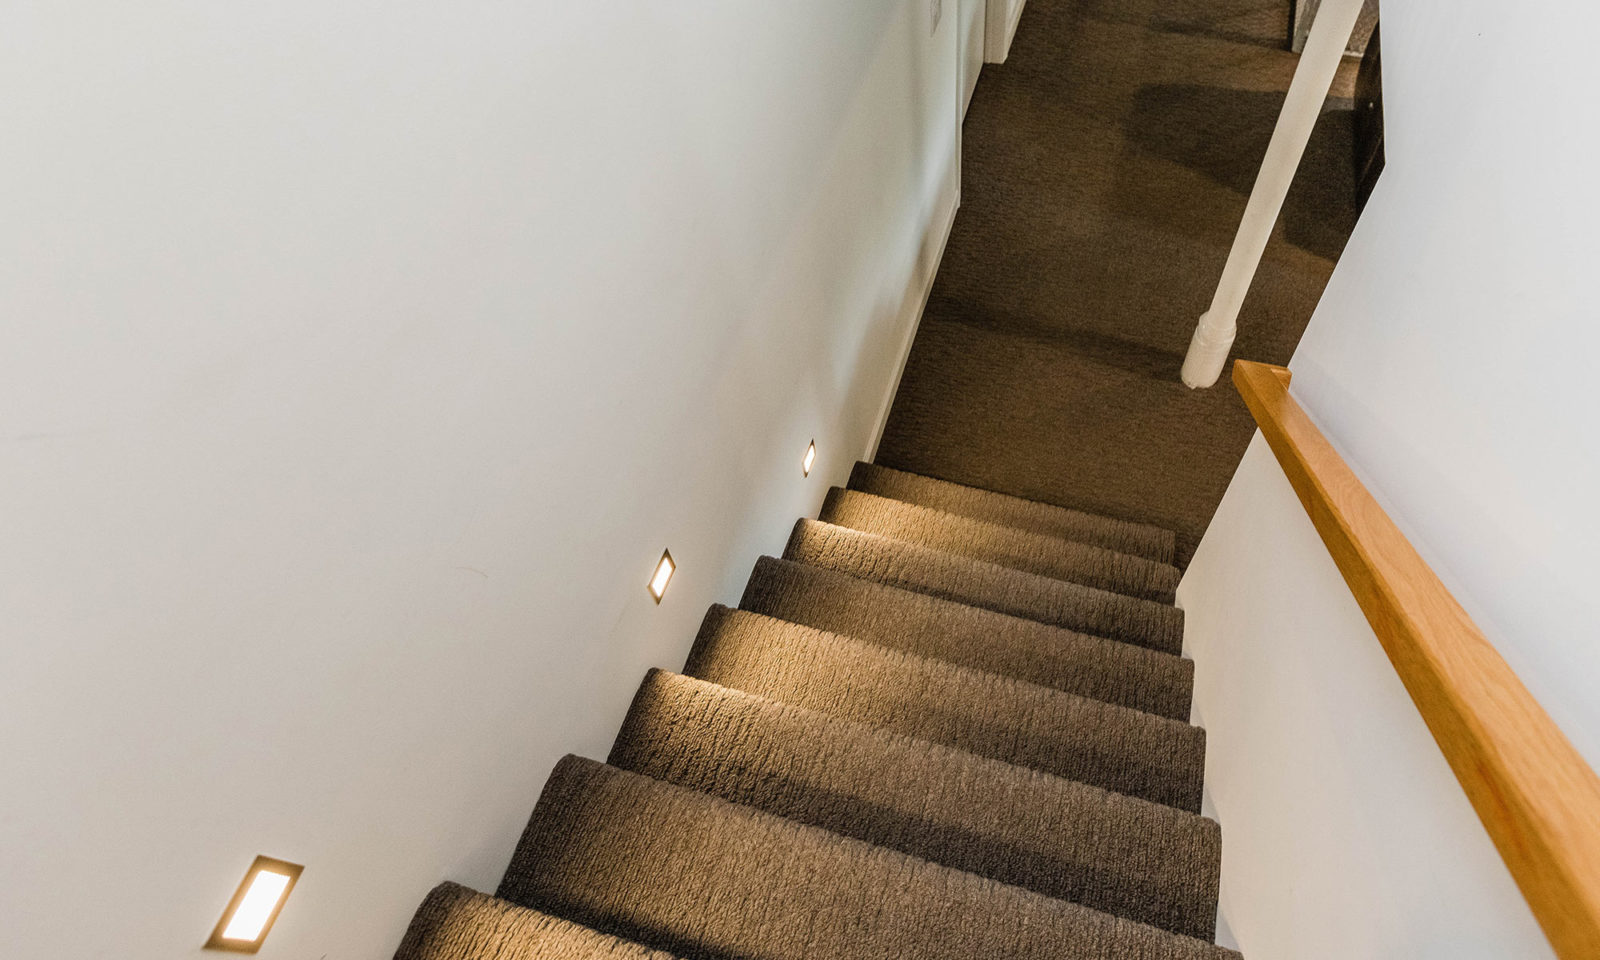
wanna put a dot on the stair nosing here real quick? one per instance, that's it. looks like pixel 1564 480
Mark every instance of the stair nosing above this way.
pixel 1164 537
pixel 1167 644
pixel 835 495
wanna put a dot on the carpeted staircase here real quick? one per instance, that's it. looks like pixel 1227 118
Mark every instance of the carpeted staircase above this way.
pixel 946 724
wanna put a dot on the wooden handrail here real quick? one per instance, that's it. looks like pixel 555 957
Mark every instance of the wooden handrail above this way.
pixel 1536 796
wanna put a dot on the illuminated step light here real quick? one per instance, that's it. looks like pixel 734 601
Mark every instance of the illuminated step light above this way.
pixel 255 905
pixel 811 457
pixel 663 575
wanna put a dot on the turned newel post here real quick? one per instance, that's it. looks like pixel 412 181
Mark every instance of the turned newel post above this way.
pixel 1213 336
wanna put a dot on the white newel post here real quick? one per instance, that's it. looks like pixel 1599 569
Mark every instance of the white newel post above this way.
pixel 1213 337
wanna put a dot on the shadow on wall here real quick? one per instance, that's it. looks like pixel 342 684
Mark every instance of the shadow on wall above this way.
pixel 1222 134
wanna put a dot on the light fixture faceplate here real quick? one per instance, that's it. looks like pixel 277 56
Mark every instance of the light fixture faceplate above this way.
pixel 810 458
pixel 255 906
pixel 665 568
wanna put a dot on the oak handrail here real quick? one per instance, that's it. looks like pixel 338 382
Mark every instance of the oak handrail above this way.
pixel 1538 799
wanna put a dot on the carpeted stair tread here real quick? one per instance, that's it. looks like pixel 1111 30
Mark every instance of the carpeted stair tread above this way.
pixel 455 923
pixel 927 626
pixel 991 586
pixel 1128 751
pixel 680 870
pixel 1026 550
pixel 1127 857
pixel 1138 539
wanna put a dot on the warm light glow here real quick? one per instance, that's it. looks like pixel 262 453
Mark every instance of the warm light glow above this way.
pixel 254 908
pixel 266 889
pixel 664 571
pixel 811 457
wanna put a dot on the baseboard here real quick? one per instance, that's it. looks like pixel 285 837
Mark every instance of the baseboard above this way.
pixel 939 228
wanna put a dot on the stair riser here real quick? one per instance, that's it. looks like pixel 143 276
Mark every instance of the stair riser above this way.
pixel 963 580
pixel 1137 860
pixel 1114 748
pixel 1019 550
pixel 1132 538
pixel 679 870
pixel 455 923
pixel 1105 670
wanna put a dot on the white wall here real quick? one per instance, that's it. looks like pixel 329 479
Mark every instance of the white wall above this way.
pixel 1448 362
pixel 1344 831
pixel 972 14
pixel 1002 18
pixel 359 360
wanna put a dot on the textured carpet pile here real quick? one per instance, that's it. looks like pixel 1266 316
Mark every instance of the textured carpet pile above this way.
pixel 950 722
pixel 1105 166
pixel 941 727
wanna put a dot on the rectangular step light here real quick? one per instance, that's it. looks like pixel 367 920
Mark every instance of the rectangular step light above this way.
pixel 811 457
pixel 663 575
pixel 255 905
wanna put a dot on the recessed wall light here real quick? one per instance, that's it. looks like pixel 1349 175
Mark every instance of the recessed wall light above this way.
pixel 811 457
pixel 255 905
pixel 663 575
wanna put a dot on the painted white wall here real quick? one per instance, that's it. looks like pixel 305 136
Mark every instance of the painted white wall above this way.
pixel 1344 832
pixel 359 360
pixel 1002 18
pixel 1448 362
pixel 972 13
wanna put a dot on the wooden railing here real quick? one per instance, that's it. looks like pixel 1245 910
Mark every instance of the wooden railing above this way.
pixel 1536 796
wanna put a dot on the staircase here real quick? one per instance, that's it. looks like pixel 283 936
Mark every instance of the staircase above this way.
pixel 946 723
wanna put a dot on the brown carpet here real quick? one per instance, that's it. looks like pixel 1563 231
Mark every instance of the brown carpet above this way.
pixel 1129 751
pixel 949 724
pixel 1068 840
pixel 460 923
pixel 1105 168
pixel 893 750
pixel 701 877
pixel 1021 549
pixel 1135 539
pixel 992 586
pixel 1105 670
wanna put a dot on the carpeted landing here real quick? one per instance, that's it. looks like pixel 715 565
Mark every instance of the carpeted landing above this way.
pixel 1105 167
pixel 946 724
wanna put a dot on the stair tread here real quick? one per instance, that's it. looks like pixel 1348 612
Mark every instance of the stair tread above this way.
pixel 980 583
pixel 1135 859
pixel 1105 670
pixel 1125 536
pixel 683 871
pixel 1128 751
pixel 455 923
pixel 1031 551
